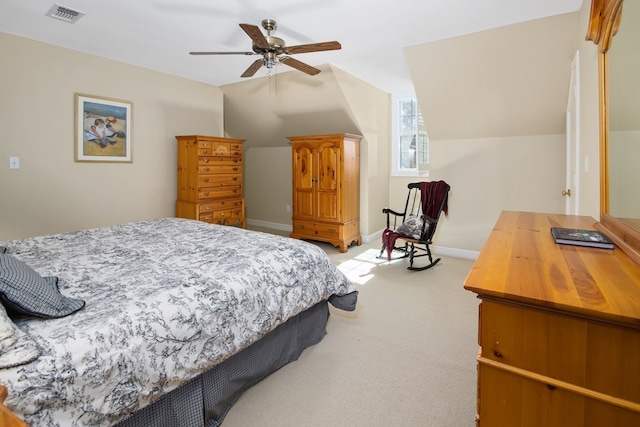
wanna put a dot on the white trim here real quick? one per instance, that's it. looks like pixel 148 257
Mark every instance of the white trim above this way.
pixel 440 250
pixel 273 225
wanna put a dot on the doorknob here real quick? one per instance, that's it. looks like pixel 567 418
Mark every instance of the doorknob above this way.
pixel 566 192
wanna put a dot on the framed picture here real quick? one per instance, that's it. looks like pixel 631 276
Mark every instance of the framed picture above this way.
pixel 103 129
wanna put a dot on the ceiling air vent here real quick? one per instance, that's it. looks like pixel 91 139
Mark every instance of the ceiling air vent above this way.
pixel 64 13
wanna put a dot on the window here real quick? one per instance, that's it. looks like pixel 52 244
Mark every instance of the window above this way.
pixel 411 142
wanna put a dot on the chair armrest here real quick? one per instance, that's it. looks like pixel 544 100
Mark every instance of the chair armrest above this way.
pixel 396 215
pixel 390 211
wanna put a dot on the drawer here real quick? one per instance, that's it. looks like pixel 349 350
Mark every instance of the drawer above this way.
pixel 228 215
pixel 224 180
pixel 219 161
pixel 509 399
pixel 230 204
pixel 226 149
pixel 223 217
pixel 220 192
pixel 205 144
pixel 577 350
pixel 206 166
pixel 318 229
pixel 219 147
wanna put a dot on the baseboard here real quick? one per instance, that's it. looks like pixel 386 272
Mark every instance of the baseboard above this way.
pixel 266 224
pixel 440 250
pixel 456 253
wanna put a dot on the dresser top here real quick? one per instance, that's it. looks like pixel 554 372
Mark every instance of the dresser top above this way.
pixel 520 262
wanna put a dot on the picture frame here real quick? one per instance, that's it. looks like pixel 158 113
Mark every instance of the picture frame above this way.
pixel 103 129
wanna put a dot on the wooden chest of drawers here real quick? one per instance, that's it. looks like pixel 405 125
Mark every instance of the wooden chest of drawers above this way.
pixel 210 179
pixel 559 328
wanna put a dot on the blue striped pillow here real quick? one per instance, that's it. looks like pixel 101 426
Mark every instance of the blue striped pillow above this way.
pixel 24 291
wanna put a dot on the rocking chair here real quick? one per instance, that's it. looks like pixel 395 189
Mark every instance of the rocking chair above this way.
pixel 416 225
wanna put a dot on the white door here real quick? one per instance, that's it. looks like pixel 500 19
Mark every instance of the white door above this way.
pixel 572 184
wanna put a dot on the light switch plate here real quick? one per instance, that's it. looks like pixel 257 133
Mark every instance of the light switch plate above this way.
pixel 14 162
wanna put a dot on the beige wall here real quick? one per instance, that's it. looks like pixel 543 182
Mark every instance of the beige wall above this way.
pixel 51 193
pixel 494 103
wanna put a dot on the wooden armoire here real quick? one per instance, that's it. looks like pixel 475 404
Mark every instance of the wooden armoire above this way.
pixel 326 188
pixel 210 179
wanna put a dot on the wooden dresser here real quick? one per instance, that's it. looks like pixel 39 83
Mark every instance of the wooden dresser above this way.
pixel 326 188
pixel 210 179
pixel 559 328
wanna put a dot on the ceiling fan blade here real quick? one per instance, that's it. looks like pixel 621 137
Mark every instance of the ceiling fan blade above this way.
pixel 256 35
pixel 305 68
pixel 222 53
pixel 249 72
pixel 313 47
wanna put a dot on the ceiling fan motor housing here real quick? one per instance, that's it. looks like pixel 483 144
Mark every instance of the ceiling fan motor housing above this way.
pixel 276 45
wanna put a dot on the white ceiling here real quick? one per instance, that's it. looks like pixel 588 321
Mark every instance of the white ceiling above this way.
pixel 158 34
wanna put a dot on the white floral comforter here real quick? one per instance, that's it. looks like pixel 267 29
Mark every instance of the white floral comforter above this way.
pixel 165 300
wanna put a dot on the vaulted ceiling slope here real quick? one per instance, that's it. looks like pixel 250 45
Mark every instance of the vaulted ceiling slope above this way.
pixel 266 111
pixel 508 81
pixel 158 34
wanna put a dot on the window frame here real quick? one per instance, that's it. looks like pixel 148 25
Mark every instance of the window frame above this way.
pixel 396 169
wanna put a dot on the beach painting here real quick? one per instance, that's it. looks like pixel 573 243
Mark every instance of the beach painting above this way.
pixel 103 129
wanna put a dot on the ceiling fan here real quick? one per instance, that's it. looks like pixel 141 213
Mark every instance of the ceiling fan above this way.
pixel 274 50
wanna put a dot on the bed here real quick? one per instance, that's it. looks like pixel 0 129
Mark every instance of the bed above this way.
pixel 167 319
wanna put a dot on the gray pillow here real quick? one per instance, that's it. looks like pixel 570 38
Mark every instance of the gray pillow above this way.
pixel 24 291
pixel 411 227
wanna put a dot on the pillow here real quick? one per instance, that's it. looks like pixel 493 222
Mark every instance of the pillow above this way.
pixel 3 249
pixel 411 227
pixel 24 291
pixel 16 347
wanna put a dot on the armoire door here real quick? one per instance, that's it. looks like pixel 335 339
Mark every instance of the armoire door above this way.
pixel 303 182
pixel 327 181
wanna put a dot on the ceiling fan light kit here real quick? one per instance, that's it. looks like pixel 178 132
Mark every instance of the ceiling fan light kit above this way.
pixel 274 50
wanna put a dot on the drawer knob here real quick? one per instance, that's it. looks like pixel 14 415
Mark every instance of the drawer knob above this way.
pixel 206 193
pixel 206 160
pixel 497 354
pixel 206 180
pixel 332 230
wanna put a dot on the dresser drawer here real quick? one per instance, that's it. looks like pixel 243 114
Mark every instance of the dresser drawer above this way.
pixel 220 192
pixel 205 161
pixel 223 217
pixel 230 204
pixel 223 180
pixel 594 355
pixel 225 149
pixel 207 165
pixel 509 399
pixel 318 229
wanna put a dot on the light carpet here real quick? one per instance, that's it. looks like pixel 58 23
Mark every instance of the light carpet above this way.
pixel 404 357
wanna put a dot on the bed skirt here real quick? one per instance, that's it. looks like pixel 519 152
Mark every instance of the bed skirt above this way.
pixel 206 399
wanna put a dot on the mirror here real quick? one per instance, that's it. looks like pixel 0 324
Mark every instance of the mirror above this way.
pixel 624 118
pixel 619 79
